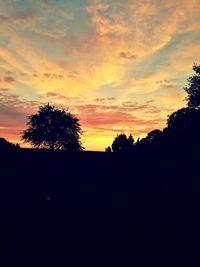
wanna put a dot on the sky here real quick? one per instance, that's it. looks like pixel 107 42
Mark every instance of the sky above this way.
pixel 119 65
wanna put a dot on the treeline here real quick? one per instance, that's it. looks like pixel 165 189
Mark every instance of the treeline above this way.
pixel 182 131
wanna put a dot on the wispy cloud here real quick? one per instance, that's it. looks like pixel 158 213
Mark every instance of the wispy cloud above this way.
pixel 13 114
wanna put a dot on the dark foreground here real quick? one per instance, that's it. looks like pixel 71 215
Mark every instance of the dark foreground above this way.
pixel 99 209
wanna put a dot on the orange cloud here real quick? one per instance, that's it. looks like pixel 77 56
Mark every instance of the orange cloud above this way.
pixel 9 79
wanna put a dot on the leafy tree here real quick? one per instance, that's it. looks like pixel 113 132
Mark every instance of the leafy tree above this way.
pixel 53 128
pixel 193 88
pixel 185 121
pixel 184 128
pixel 123 144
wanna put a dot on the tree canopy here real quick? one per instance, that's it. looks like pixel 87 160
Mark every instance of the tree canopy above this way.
pixel 54 129
pixel 183 126
pixel 123 144
pixel 193 88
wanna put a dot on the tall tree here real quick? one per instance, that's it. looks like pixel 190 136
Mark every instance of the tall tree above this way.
pixel 53 128
pixel 193 88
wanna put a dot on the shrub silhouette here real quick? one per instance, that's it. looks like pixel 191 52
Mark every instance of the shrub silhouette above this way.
pixel 54 129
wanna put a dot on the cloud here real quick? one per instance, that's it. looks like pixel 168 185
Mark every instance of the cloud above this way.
pixel 99 115
pixel 3 19
pixel 58 96
pixel 8 60
pixel 127 55
pixel 148 25
pixel 104 26
pixel 103 99
pixel 7 98
pixel 9 79
pixel 51 23
pixel 53 76
pixel 13 114
pixel 18 20
pixel 98 59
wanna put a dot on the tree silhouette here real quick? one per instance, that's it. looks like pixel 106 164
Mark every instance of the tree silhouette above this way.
pixel 53 128
pixel 193 88
pixel 183 126
pixel 182 131
pixel 123 144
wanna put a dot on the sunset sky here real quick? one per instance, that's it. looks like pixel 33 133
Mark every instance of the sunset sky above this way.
pixel 120 65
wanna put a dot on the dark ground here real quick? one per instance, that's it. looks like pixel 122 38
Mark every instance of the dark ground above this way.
pixel 99 209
